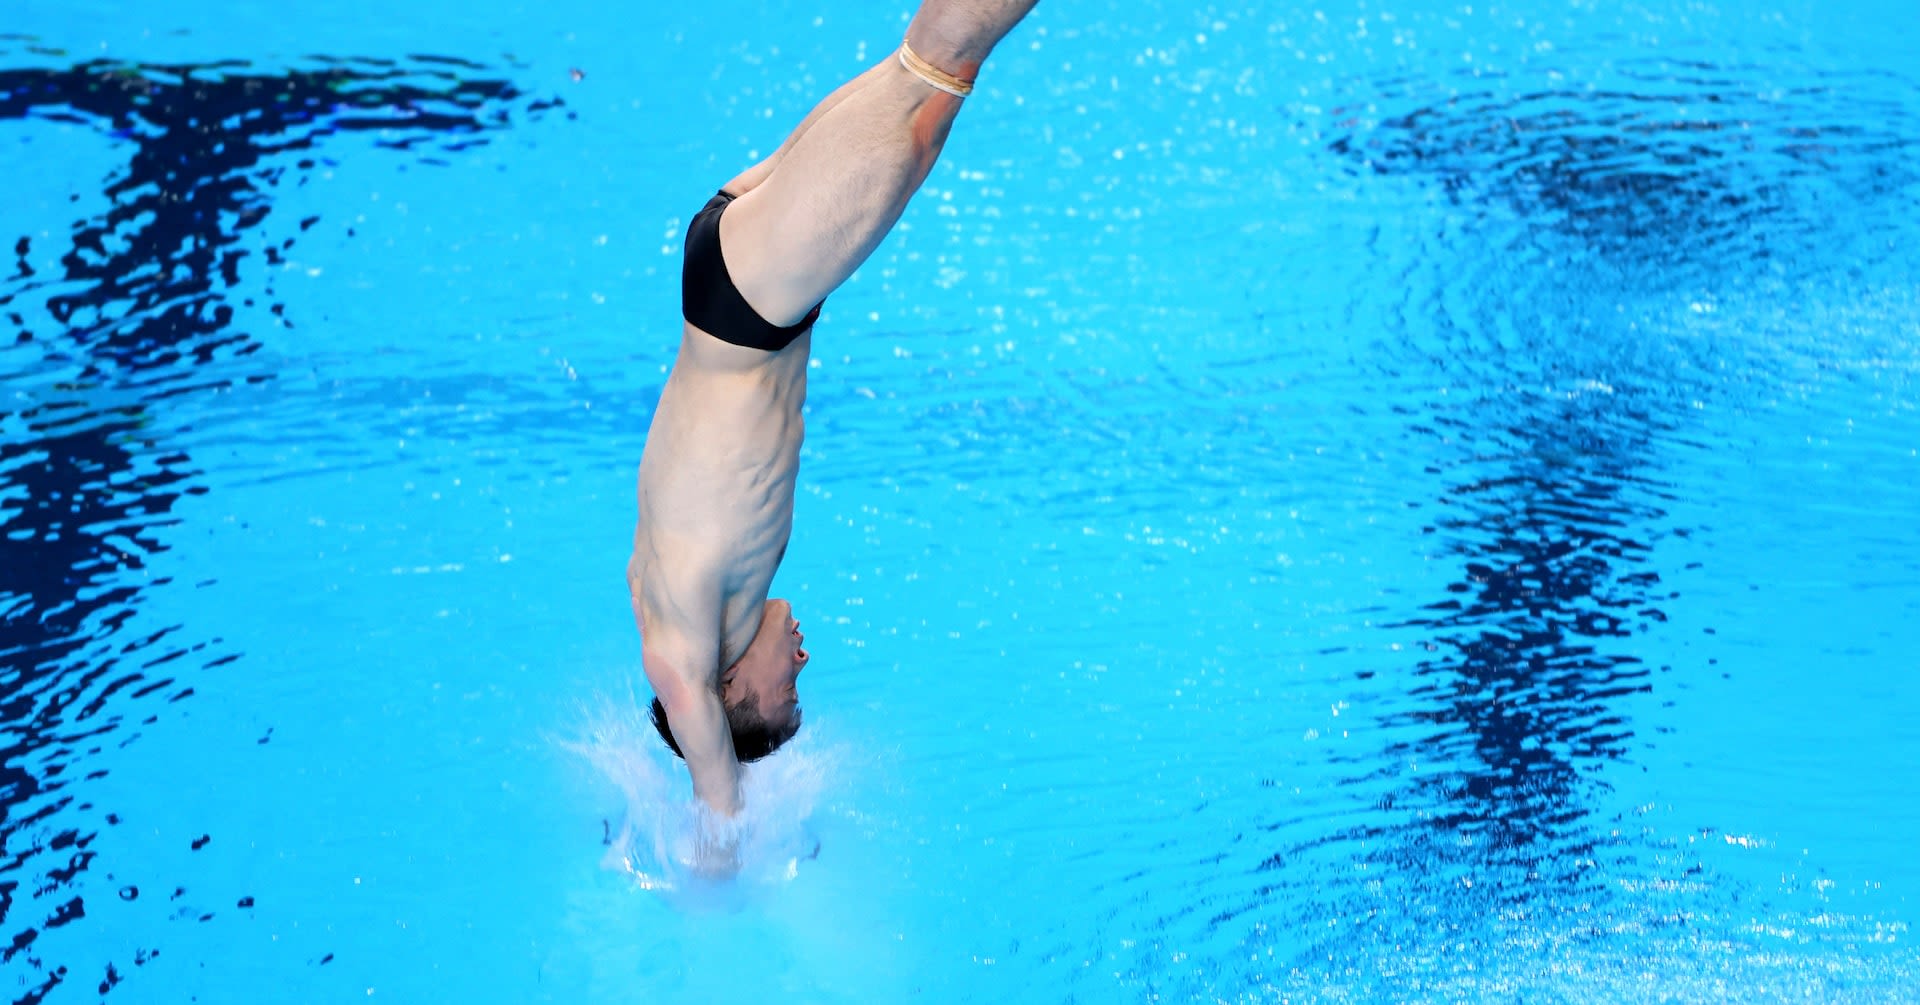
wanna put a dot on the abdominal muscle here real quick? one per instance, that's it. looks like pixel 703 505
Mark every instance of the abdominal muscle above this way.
pixel 716 485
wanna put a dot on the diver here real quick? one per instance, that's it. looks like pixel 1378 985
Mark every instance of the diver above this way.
pixel 717 474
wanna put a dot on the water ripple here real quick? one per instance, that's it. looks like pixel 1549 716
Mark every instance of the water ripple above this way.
pixel 139 308
pixel 1594 283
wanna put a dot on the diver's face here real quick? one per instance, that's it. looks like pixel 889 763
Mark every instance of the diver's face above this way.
pixel 770 671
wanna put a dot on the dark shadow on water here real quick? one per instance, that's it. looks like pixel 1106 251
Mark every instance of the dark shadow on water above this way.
pixel 1501 728
pixel 1660 165
pixel 1532 274
pixel 141 309
pixel 1590 216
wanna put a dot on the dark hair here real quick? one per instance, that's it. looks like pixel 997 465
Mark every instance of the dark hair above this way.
pixel 753 737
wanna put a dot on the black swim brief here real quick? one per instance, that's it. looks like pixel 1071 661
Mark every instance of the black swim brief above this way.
pixel 710 301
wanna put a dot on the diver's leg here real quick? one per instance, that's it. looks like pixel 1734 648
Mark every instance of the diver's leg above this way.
pixel 842 181
pixel 746 181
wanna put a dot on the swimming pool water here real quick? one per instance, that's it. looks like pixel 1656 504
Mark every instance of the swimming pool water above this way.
pixel 1362 503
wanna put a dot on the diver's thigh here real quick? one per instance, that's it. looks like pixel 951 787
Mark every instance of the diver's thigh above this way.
pixel 834 194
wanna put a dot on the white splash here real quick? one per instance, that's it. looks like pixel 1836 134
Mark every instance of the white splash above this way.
pixel 668 841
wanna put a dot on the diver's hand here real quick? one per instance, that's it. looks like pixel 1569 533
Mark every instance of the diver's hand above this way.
pixel 715 861
pixel 714 852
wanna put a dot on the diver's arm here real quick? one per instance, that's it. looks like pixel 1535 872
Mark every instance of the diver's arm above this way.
pixel 682 673
pixel 680 651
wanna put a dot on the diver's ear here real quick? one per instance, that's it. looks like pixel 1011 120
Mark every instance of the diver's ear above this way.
pixel 727 679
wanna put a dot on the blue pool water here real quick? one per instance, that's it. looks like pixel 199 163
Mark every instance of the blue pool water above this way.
pixel 1356 503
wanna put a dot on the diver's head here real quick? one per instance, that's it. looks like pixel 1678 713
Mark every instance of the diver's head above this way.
pixel 761 691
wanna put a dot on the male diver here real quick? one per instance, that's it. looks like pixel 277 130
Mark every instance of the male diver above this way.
pixel 717 474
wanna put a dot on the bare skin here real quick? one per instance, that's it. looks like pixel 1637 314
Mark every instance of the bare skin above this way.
pixel 717 476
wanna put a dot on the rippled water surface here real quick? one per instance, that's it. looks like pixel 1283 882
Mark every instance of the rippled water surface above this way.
pixel 1342 504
